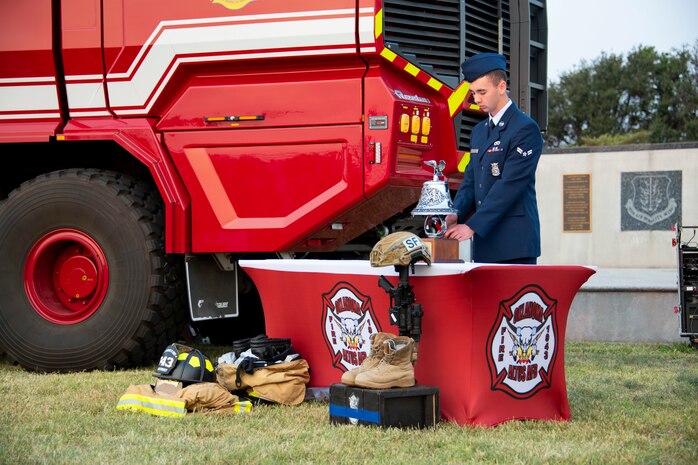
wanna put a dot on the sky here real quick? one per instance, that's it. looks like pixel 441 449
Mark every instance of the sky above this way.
pixel 583 29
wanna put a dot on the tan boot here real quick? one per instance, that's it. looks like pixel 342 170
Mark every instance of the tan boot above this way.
pixel 394 370
pixel 374 357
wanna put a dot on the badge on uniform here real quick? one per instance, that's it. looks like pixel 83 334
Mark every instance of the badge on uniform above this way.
pixel 495 169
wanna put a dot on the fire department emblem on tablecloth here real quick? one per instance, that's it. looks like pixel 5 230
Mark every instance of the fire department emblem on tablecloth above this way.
pixel 347 323
pixel 521 346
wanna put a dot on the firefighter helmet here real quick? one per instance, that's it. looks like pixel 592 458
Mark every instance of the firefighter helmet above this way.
pixel 182 363
pixel 399 248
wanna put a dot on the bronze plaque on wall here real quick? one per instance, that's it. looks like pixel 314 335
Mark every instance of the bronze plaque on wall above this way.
pixel 576 202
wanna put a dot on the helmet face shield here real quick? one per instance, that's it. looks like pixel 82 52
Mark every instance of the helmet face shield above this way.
pixel 399 248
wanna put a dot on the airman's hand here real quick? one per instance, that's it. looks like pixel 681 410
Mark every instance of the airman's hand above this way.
pixel 461 232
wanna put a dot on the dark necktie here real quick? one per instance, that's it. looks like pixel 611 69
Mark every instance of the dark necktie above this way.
pixel 490 126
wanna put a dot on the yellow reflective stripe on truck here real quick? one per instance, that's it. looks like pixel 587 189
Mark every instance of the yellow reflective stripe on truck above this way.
pixel 378 23
pixel 455 97
pixel 455 101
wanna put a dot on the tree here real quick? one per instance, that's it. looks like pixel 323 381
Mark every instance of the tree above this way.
pixel 646 97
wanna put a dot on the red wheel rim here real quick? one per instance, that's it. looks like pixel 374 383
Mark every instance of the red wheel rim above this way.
pixel 66 276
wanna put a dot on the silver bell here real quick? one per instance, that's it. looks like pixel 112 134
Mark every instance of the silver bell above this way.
pixel 435 202
pixel 435 198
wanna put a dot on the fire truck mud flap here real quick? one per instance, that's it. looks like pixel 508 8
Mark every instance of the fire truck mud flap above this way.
pixel 84 279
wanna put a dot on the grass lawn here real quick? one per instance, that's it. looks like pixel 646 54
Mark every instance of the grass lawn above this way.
pixel 631 404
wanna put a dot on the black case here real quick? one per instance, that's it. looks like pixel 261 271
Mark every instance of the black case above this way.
pixel 414 407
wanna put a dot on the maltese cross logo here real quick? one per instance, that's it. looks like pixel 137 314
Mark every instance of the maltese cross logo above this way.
pixel 348 322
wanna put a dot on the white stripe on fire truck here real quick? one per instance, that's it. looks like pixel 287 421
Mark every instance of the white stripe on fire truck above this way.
pixel 193 41
pixel 253 20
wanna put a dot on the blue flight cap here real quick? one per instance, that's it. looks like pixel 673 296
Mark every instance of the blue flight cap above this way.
pixel 482 63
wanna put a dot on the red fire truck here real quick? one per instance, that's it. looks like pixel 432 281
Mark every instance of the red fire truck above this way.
pixel 154 144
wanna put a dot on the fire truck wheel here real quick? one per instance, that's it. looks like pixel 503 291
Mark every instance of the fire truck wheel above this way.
pixel 84 280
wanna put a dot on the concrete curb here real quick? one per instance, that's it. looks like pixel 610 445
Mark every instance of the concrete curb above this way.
pixel 626 305
pixel 633 279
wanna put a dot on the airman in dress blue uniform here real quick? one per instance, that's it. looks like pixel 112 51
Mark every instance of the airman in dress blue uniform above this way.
pixel 496 201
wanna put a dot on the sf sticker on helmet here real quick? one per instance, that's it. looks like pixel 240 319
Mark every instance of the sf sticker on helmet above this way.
pixel 399 248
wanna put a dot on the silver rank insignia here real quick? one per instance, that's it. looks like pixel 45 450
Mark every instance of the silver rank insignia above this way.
pixel 524 153
pixel 495 169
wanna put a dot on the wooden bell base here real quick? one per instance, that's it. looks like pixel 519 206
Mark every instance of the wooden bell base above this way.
pixel 443 250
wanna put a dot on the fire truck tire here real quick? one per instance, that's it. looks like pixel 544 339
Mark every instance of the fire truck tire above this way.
pixel 85 282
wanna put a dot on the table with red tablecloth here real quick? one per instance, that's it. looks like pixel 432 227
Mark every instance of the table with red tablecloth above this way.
pixel 492 336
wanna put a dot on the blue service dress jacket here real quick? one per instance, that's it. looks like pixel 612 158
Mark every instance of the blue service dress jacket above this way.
pixel 497 197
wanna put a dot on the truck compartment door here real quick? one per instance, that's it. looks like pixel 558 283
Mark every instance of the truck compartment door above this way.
pixel 265 189
pixel 27 72
pixel 82 57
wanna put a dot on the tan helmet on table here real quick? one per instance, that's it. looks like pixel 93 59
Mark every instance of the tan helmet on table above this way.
pixel 399 248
